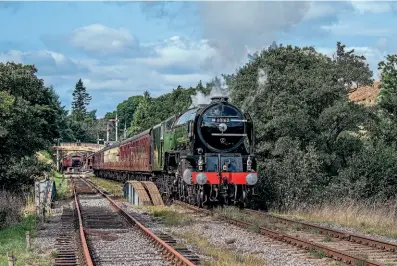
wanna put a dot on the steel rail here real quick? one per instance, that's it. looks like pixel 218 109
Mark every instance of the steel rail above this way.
pixel 169 252
pixel 86 251
pixel 333 232
pixel 329 252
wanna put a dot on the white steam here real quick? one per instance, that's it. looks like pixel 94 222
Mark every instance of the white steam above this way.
pixel 219 88
pixel 262 81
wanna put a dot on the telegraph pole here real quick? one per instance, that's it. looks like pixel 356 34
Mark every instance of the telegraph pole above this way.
pixel 107 132
pixel 125 130
pixel 117 126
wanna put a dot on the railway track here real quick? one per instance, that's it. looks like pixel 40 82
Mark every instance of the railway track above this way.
pixel 111 236
pixel 347 248
pixel 68 252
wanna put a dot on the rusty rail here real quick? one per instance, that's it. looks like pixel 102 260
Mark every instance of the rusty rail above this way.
pixel 166 250
pixel 329 252
pixel 86 251
pixel 333 232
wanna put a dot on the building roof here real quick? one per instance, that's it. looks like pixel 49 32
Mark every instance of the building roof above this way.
pixel 366 94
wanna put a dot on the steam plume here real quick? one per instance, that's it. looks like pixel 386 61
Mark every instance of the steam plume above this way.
pixel 219 88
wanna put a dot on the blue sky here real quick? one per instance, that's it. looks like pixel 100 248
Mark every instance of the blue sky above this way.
pixel 120 49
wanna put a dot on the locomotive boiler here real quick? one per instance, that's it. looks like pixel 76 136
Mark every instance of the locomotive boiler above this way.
pixel 204 156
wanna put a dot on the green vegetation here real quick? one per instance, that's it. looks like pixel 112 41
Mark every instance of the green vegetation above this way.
pixel 168 216
pixel 113 187
pixel 13 239
pixel 23 97
pixel 64 190
pixel 220 256
pixel 316 253
pixel 312 144
pixel 364 216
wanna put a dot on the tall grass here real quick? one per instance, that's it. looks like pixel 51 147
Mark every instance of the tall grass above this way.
pixel 365 216
pixel 64 189
pixel 113 187
pixel 11 206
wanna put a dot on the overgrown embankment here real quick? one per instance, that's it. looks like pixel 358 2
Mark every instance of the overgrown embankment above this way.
pixel 113 187
pixel 64 190
pixel 373 218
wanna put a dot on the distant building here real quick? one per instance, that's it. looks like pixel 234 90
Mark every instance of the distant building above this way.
pixel 365 95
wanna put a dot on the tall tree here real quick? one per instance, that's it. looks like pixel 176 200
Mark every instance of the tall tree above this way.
pixel 302 117
pixel 81 100
pixel 388 93
pixel 143 118
pixel 353 69
pixel 30 116
pixel 387 99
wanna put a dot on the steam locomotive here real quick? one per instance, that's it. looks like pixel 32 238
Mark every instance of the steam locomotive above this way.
pixel 204 156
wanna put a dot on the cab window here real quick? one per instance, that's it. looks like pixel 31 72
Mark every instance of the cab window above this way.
pixel 186 117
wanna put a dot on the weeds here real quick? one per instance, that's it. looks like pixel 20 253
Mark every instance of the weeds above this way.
pixel 11 207
pixel 12 239
pixel 113 187
pixel 64 189
pixel 220 256
pixel 361 263
pixel 168 216
pixel 372 218
pixel 317 253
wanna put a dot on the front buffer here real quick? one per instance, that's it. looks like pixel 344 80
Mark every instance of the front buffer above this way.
pixel 224 187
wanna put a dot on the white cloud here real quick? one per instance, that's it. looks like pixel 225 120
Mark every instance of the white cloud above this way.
pixel 47 62
pixel 186 80
pixel 11 56
pixel 181 54
pixel 376 7
pixel 231 27
pixel 172 62
pixel 320 10
pixel 356 28
pixel 99 38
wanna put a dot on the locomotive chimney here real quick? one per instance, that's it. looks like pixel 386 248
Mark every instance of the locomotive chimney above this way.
pixel 223 99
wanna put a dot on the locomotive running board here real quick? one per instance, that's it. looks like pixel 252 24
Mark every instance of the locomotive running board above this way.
pixel 153 193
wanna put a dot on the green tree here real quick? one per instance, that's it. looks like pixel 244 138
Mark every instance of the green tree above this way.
pixel 142 119
pixel 387 97
pixel 81 99
pixel 298 100
pixel 354 70
pixel 30 121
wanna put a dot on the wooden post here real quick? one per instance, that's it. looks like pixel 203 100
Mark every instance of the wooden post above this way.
pixel 10 259
pixel 27 239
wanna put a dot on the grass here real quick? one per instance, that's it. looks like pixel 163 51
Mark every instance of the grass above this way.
pixel 64 190
pixel 168 216
pixel 12 239
pixel 370 218
pixel 316 253
pixel 113 187
pixel 256 221
pixel 220 256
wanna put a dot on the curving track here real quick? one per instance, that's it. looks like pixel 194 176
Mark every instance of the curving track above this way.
pixel 111 236
pixel 350 249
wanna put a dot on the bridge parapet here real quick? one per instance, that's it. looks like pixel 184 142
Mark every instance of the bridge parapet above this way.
pixel 78 146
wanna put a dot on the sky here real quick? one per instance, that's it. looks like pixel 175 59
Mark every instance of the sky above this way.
pixel 121 49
